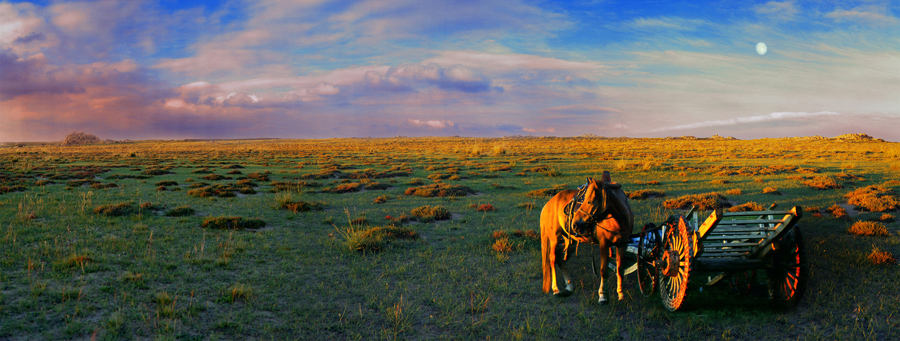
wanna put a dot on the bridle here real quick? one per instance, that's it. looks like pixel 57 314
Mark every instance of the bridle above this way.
pixel 594 215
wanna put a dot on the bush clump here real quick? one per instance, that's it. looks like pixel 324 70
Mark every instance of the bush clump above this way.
pixel 838 212
pixel 439 190
pixel 300 206
pixel 115 210
pixel 428 213
pixel 181 211
pixel 704 201
pixel 546 192
pixel 868 228
pixel 747 207
pixel 156 172
pixel 645 194
pixel 823 182
pixel 377 239
pixel 875 198
pixel 167 183
pixel 879 257
pixel 227 223
pixel 344 188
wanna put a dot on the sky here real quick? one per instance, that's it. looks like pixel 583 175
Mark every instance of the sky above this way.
pixel 171 69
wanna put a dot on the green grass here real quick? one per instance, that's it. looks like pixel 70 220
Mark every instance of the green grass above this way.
pixel 67 272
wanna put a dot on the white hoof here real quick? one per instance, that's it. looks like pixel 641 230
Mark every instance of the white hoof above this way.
pixel 602 300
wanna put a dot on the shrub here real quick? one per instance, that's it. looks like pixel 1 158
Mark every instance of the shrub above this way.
pixel 720 182
pixel 428 213
pixel 823 182
pixel 527 205
pixel 745 207
pixel 300 206
pixel 838 212
pixel 545 192
pixel 167 183
pixel 376 186
pixel 156 172
pixel 502 245
pixel 868 228
pixel 485 208
pixel 79 138
pixel 439 190
pixel 115 210
pixel 381 199
pixel 216 177
pixel 887 218
pixel 376 239
pixel 879 257
pixel 181 211
pixel 875 198
pixel 645 193
pixel 227 223
pixel 736 191
pixel 344 188
pixel 705 201
pixel 771 190
pixel 499 234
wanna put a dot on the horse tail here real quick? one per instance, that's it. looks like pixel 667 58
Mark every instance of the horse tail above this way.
pixel 545 257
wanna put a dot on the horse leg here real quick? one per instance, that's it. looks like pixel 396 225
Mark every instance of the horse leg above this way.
pixel 565 273
pixel 604 263
pixel 620 253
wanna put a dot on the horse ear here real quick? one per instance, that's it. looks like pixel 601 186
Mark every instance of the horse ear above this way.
pixel 606 177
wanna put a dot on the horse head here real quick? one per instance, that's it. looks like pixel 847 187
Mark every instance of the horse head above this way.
pixel 597 201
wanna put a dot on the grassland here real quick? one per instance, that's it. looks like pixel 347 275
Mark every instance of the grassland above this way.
pixel 261 239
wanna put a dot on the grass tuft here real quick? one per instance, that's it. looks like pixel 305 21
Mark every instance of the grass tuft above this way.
pixel 439 190
pixel 823 182
pixel 704 201
pixel 376 239
pixel 546 192
pixel 746 207
pixel 868 228
pixel 428 213
pixel 875 198
pixel 116 210
pixel 880 257
pixel 227 223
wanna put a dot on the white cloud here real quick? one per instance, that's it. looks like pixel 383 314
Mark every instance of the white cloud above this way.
pixel 436 124
pixel 775 116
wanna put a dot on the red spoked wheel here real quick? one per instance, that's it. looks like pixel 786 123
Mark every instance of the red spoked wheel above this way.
pixel 674 264
pixel 648 252
pixel 790 271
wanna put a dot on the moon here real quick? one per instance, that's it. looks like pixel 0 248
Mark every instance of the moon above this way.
pixel 761 48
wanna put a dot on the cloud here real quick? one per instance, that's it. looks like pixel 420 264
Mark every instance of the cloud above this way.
pixel 775 116
pixel 872 15
pixel 436 124
pixel 665 23
pixel 784 11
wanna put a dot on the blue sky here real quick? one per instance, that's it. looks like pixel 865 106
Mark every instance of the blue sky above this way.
pixel 320 69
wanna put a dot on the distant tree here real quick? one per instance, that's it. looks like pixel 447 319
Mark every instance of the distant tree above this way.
pixel 79 138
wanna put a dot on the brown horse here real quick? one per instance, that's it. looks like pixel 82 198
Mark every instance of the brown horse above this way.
pixel 600 214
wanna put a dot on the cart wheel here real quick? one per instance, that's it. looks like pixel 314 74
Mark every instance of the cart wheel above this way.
pixel 790 271
pixel 646 259
pixel 677 253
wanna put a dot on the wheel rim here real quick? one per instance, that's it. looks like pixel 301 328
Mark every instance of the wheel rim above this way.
pixel 646 261
pixel 677 244
pixel 787 278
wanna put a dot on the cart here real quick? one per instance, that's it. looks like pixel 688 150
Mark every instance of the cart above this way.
pixel 727 245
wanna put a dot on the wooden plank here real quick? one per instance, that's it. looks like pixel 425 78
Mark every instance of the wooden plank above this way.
pixel 707 245
pixel 709 224
pixel 735 237
pixel 750 221
pixel 755 213
pixel 789 221
pixel 727 264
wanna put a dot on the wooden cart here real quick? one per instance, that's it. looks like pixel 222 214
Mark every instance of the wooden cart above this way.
pixel 725 245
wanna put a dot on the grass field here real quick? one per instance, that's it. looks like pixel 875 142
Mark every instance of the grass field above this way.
pixel 332 239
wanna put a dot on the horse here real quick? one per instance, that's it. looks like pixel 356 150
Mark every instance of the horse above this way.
pixel 597 213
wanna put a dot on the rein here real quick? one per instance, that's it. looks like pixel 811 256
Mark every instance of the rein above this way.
pixel 594 218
